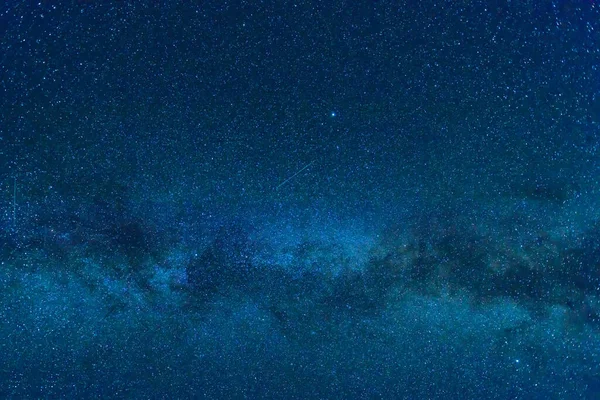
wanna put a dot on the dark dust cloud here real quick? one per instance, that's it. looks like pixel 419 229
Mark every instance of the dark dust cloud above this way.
pixel 312 199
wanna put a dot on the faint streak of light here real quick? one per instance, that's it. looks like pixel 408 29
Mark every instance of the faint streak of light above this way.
pixel 293 176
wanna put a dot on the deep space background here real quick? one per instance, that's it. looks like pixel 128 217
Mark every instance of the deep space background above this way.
pixel 300 199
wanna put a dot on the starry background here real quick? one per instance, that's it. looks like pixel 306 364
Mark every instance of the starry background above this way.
pixel 367 199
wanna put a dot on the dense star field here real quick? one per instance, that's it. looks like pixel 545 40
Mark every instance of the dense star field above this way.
pixel 312 199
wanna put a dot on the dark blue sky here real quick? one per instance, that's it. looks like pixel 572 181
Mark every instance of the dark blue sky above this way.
pixel 310 199
pixel 226 100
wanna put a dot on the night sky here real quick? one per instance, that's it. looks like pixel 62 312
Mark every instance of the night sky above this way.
pixel 311 199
